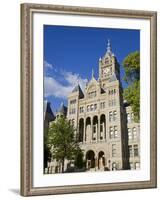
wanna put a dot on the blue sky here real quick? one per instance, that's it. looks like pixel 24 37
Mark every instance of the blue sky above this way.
pixel 70 53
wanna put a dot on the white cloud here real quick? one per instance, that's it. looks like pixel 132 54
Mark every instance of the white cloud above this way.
pixel 57 89
pixel 47 65
pixel 74 79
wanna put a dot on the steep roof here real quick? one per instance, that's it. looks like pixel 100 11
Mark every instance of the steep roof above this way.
pixel 62 108
pixel 79 90
pixel 48 111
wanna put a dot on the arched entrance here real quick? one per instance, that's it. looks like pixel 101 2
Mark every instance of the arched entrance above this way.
pixel 101 160
pixel 90 159
pixel 88 129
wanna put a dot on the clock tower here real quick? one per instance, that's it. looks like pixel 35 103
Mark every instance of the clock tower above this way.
pixel 108 66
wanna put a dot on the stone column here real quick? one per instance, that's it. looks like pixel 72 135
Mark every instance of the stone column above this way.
pixel 96 163
pixel 84 131
pixel 105 161
pixel 106 129
pixel 98 132
pixel 103 132
pixel 91 130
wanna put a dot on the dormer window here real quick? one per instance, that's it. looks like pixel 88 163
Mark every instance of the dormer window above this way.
pixel 73 101
pixel 92 94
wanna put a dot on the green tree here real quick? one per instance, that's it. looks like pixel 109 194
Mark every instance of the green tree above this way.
pixel 132 95
pixel 79 162
pixel 131 66
pixel 47 152
pixel 62 140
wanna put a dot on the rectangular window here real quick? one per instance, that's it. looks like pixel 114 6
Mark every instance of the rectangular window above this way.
pixel 113 150
pixel 111 132
pixel 130 151
pixel 110 116
pixel 81 109
pixel 136 151
pixel 73 101
pixel 134 133
pixel 114 115
pixel 102 105
pixel 72 111
pixel 115 132
pixel 129 134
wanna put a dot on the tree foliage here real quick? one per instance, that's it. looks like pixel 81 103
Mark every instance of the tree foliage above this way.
pixel 47 153
pixel 132 95
pixel 62 139
pixel 131 66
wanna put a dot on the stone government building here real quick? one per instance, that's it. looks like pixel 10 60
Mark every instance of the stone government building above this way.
pixel 108 134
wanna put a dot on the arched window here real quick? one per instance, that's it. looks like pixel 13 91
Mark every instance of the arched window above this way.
pixel 91 107
pixel 88 107
pixel 95 106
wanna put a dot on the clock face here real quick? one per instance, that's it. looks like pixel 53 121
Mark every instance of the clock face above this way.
pixel 106 71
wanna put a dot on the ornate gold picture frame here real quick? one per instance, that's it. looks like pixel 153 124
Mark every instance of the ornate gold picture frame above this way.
pixel 28 186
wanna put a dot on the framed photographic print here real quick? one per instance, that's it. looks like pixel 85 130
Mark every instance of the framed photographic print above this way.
pixel 88 99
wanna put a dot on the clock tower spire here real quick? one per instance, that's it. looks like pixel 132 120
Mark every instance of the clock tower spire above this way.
pixel 109 49
pixel 108 65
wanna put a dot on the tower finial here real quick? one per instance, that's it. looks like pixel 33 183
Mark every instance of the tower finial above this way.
pixel 92 73
pixel 109 49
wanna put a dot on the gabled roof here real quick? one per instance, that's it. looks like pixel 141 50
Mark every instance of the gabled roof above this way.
pixel 63 108
pixel 79 90
pixel 93 81
pixel 48 111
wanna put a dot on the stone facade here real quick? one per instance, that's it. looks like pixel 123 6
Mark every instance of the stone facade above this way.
pixel 100 116
pixel 133 130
